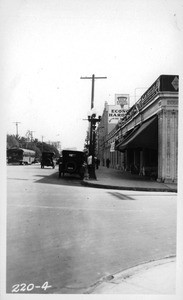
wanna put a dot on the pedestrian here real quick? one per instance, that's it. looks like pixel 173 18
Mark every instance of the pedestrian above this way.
pixel 89 163
pixel 97 162
pixel 107 162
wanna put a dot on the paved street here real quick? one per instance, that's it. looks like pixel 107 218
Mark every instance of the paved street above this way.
pixel 67 236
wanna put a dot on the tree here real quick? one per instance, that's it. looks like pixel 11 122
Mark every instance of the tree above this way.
pixel 22 142
pixel 47 148
pixel 12 141
pixel 27 143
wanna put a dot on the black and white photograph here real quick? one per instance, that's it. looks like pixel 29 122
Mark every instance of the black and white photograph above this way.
pixel 91 149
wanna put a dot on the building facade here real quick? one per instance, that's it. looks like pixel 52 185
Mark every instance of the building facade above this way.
pixel 111 116
pixel 145 139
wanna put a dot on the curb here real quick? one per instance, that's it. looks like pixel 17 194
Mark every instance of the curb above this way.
pixel 113 187
pixel 120 277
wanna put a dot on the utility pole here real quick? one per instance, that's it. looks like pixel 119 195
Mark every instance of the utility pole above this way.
pixel 17 127
pixel 93 122
pixel 42 142
pixel 31 131
pixel 93 81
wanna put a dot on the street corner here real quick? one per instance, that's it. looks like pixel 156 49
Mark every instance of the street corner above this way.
pixel 130 186
pixel 154 277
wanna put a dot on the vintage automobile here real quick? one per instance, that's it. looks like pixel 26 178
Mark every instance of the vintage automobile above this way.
pixel 72 162
pixel 20 156
pixel 47 160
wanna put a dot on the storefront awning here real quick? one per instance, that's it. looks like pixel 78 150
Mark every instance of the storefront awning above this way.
pixel 145 136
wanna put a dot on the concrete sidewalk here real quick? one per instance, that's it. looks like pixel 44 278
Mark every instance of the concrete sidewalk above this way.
pixel 157 277
pixel 116 179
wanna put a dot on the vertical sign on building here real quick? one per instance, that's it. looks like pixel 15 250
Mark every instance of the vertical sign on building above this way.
pixel 112 148
pixel 122 100
pixel 118 110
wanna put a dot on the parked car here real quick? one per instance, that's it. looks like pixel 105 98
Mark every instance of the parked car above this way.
pixel 47 159
pixel 72 162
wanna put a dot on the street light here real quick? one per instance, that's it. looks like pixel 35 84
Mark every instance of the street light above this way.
pixel 93 120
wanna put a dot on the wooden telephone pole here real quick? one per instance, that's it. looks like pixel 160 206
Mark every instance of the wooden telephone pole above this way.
pixel 93 120
pixel 93 81
pixel 16 123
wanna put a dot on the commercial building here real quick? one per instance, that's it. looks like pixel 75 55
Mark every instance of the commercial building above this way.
pixel 111 116
pixel 145 139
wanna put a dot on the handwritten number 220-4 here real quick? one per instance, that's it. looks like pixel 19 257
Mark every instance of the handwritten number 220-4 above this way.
pixel 23 287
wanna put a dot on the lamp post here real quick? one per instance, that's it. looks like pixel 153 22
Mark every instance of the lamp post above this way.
pixel 93 121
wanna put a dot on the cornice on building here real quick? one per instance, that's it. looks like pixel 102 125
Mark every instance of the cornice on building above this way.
pixel 165 87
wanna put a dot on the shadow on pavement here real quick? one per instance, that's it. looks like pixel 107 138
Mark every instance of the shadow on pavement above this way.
pixel 68 180
pixel 121 196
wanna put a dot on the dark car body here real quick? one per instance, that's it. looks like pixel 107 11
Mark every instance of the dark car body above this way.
pixel 47 159
pixel 20 156
pixel 72 162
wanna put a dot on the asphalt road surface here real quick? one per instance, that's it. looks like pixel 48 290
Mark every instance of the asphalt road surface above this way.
pixel 62 237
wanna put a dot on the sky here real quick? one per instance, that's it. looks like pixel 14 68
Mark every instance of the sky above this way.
pixel 48 45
